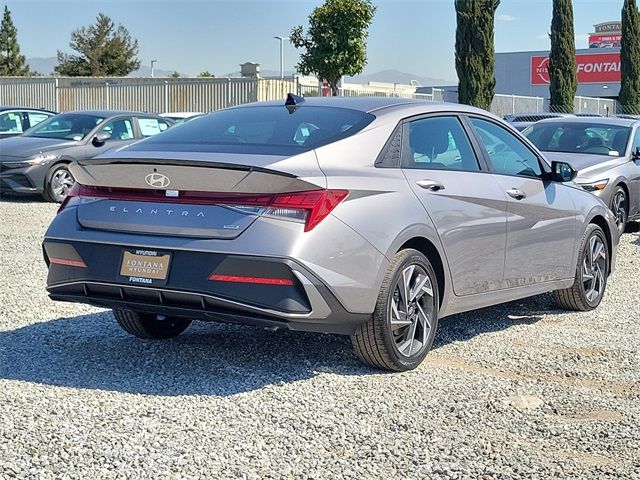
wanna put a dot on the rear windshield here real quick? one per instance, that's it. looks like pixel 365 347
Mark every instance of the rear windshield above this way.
pixel 269 130
pixel 579 137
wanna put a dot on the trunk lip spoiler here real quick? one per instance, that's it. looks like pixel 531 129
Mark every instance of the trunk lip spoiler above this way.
pixel 182 163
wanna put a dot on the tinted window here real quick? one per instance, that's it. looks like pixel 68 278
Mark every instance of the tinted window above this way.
pixel 439 143
pixel 69 126
pixel 263 130
pixel 121 129
pixel 579 137
pixel 508 155
pixel 10 122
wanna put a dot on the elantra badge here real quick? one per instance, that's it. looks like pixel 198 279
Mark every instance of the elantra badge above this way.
pixel 157 180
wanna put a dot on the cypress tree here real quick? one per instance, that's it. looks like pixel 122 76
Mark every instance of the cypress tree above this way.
pixel 475 53
pixel 630 58
pixel 11 62
pixel 562 60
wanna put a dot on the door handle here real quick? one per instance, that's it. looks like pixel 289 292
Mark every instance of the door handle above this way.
pixel 431 185
pixel 516 193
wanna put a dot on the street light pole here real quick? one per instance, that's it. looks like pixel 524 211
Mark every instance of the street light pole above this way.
pixel 153 63
pixel 282 39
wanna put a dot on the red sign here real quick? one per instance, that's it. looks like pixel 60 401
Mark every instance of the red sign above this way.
pixel 604 41
pixel 592 68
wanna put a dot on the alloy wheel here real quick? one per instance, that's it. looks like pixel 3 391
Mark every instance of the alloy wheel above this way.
pixel 61 183
pixel 411 311
pixel 594 267
pixel 619 208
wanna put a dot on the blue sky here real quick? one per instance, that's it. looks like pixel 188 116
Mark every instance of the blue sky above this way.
pixel 414 36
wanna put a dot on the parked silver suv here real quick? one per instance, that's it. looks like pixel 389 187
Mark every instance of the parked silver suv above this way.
pixel 367 217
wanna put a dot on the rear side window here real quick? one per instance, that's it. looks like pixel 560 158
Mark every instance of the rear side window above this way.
pixel 439 143
pixel 263 129
pixel 151 126
pixel 37 117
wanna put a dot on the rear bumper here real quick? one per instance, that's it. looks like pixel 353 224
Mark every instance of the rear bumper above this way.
pixel 305 303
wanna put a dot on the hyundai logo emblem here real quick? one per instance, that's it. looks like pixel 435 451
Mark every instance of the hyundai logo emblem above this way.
pixel 157 180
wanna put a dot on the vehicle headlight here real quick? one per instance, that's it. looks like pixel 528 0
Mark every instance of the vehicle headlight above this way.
pixel 37 160
pixel 595 186
pixel 42 157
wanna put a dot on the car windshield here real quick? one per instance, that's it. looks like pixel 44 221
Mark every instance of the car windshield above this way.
pixel 66 126
pixel 263 129
pixel 580 137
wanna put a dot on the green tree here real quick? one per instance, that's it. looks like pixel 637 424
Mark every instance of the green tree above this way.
pixel 562 59
pixel 335 43
pixel 475 51
pixel 104 49
pixel 206 74
pixel 175 74
pixel 630 58
pixel 11 62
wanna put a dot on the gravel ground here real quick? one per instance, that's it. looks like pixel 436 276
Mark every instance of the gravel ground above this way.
pixel 517 391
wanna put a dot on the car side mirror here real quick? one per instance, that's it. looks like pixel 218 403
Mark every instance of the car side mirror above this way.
pixel 562 172
pixel 636 153
pixel 100 139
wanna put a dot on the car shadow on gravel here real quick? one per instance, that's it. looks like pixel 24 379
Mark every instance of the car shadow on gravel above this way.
pixel 12 198
pixel 91 351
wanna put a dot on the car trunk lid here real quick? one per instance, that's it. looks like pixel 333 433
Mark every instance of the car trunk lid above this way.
pixel 217 197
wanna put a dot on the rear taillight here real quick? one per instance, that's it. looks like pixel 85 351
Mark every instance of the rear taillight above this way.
pixel 309 207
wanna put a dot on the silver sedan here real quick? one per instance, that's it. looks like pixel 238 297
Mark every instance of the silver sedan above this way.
pixel 606 153
pixel 367 217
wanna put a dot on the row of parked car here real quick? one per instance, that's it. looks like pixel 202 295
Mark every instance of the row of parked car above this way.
pixel 604 150
pixel 37 146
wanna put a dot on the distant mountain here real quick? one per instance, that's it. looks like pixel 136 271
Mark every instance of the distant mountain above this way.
pixel 43 66
pixel 145 71
pixel 395 76
pixel 46 67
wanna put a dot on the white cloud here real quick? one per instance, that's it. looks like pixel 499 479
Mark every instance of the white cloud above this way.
pixel 506 18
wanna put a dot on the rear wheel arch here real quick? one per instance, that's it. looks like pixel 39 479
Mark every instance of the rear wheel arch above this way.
pixel 429 250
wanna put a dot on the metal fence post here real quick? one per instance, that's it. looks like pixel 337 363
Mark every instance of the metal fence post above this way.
pixel 166 96
pixel 106 91
pixel 56 94
pixel 229 91
pixel 513 104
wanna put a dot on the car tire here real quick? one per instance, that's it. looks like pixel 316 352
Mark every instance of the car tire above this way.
pixel 58 183
pixel 400 333
pixel 620 208
pixel 150 326
pixel 591 273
